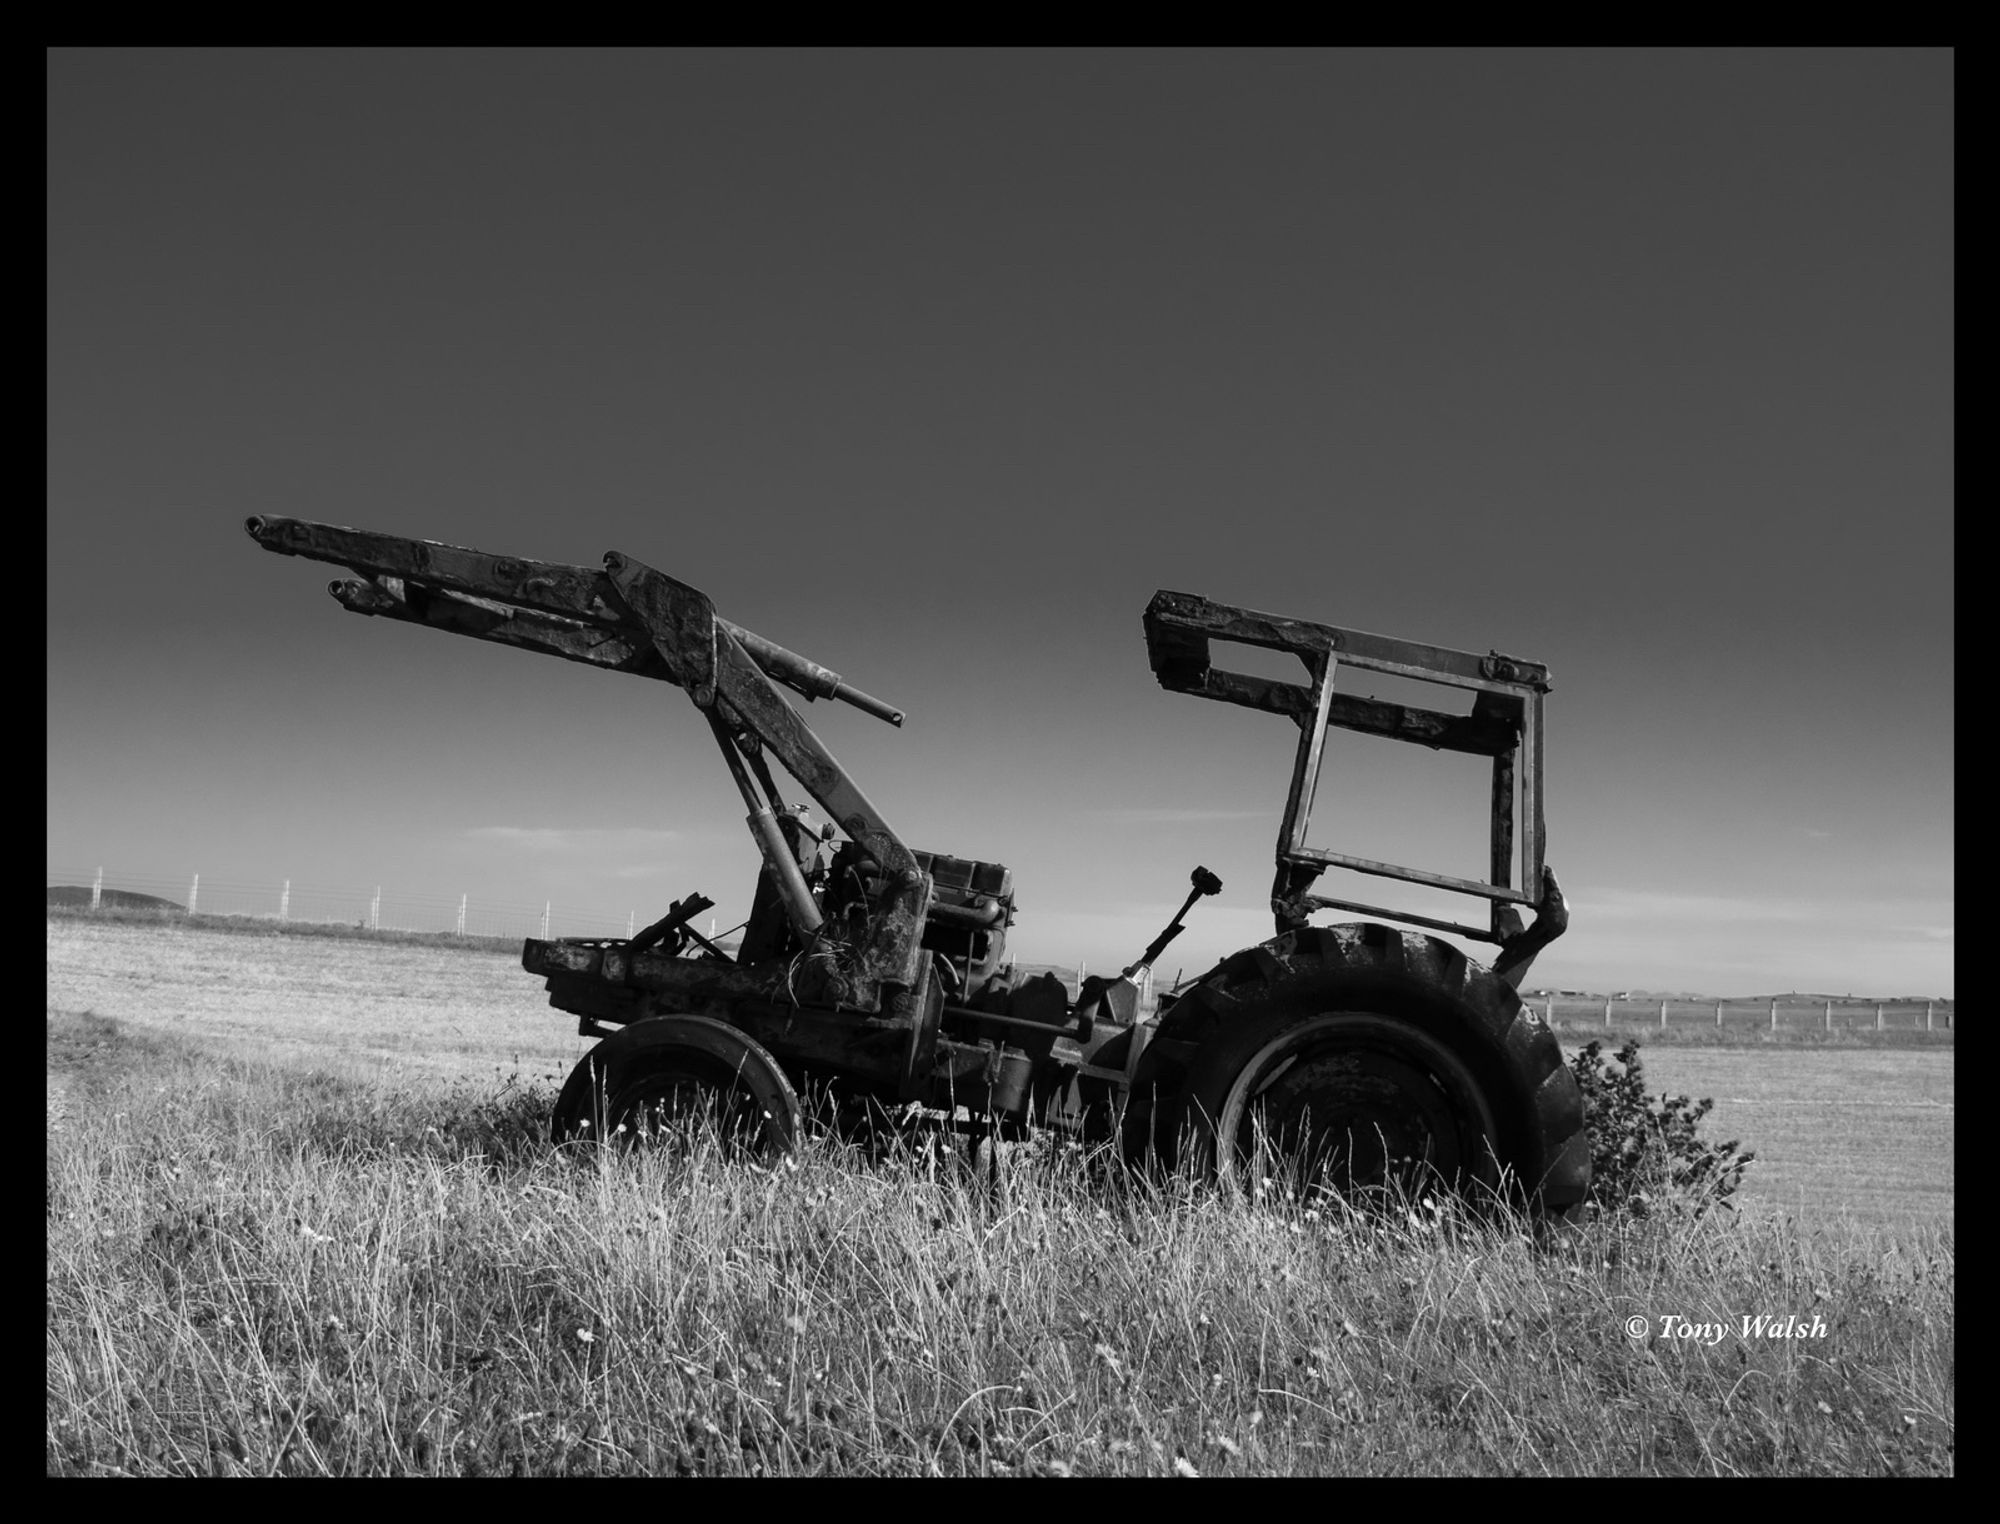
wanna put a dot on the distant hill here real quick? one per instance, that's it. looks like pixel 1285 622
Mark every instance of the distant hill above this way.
pixel 77 897
pixel 1692 997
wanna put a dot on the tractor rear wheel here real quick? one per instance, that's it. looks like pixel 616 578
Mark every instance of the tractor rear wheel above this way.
pixel 659 1073
pixel 1367 1058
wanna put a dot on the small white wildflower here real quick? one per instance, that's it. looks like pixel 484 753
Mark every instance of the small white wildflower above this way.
pixel 585 1336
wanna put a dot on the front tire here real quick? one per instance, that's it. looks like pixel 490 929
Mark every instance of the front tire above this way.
pixel 654 1073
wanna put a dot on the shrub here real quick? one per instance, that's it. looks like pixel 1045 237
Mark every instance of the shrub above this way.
pixel 1646 1154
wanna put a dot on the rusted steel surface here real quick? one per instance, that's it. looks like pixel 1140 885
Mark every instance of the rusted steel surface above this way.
pixel 1423 876
pixel 485 619
pixel 488 597
pixel 1480 735
pixel 1180 625
pixel 548 586
pixel 1518 951
pixel 1303 904
pixel 674 924
pixel 678 619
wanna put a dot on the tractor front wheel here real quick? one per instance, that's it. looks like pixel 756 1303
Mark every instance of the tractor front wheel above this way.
pixel 659 1073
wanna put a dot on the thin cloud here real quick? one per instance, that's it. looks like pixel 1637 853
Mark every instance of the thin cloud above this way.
pixel 552 840
pixel 1658 905
pixel 1169 817
pixel 641 870
pixel 1928 933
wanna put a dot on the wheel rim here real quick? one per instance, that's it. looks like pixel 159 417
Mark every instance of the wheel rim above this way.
pixel 664 1076
pixel 668 1101
pixel 1355 1103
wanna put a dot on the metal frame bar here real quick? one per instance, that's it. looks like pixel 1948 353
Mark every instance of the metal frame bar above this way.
pixel 1505 725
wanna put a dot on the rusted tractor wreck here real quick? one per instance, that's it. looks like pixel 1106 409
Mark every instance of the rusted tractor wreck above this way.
pixel 1369 1053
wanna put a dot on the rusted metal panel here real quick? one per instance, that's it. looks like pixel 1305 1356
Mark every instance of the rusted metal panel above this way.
pixel 1534 830
pixel 546 585
pixel 411 576
pixel 1328 902
pixel 679 619
pixel 1478 734
pixel 593 644
pixel 1178 625
pixel 1414 876
pixel 1501 861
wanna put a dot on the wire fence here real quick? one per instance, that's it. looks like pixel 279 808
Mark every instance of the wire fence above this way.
pixel 376 907
pixel 1782 1013
pixel 381 908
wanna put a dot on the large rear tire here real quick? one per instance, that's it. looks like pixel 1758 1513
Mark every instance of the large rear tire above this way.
pixel 660 1071
pixel 1372 1057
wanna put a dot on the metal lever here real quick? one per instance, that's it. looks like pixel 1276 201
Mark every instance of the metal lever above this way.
pixel 1204 883
pixel 1119 998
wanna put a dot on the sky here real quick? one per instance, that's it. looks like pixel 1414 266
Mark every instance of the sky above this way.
pixel 934 366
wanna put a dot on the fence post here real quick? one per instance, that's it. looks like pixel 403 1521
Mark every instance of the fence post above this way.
pixel 375 910
pixel 1550 1015
pixel 461 913
pixel 546 906
pixel 285 902
pixel 631 921
pixel 97 889
pixel 1663 1013
pixel 1774 1015
pixel 194 893
pixel 1878 1015
pixel 1607 1013
pixel 1927 1014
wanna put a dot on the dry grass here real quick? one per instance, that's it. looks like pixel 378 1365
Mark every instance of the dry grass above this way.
pixel 260 1264
pixel 1857 1134
pixel 386 1010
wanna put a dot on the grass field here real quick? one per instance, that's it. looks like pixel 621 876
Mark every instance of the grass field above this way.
pixel 301 1220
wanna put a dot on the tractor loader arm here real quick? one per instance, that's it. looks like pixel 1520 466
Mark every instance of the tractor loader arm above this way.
pixel 632 618
pixel 543 606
